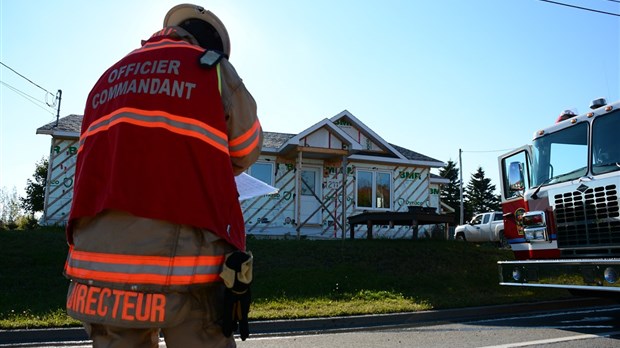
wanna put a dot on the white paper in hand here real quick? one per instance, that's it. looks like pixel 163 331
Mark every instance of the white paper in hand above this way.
pixel 250 187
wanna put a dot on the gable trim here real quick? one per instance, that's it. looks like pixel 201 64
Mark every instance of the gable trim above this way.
pixel 376 159
pixel 369 132
pixel 346 138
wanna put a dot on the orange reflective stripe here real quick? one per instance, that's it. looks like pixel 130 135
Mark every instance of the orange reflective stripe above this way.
pixel 160 125
pixel 165 43
pixel 164 31
pixel 245 151
pixel 163 114
pixel 245 136
pixel 144 278
pixel 148 260
pixel 246 142
pixel 139 269
pixel 159 119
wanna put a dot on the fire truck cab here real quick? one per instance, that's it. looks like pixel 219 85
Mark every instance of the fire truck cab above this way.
pixel 561 206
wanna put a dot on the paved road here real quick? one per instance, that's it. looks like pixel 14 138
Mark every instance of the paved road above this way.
pixel 593 323
pixel 590 327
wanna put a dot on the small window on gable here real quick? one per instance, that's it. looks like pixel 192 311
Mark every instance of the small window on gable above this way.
pixel 262 171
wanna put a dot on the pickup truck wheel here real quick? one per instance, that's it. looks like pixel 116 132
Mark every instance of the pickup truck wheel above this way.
pixel 503 242
pixel 460 237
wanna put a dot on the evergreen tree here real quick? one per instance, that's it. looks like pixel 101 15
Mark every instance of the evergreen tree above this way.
pixel 451 193
pixel 35 189
pixel 480 195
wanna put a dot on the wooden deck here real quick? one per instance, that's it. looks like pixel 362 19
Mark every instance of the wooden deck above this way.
pixel 414 217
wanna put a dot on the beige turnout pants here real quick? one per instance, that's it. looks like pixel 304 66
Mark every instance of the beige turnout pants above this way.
pixel 194 324
pixel 199 329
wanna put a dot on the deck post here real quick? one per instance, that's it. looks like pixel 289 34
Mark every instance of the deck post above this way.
pixel 369 228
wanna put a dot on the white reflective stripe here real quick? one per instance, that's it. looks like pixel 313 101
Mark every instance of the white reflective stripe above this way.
pixel 145 269
pixel 534 246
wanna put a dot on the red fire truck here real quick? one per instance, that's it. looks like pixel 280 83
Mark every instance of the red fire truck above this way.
pixel 561 205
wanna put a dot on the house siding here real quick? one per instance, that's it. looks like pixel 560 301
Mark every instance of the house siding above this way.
pixel 275 215
pixel 60 174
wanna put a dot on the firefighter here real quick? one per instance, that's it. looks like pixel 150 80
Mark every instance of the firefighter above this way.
pixel 156 234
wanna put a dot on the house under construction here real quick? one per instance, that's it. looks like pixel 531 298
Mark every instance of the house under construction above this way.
pixel 326 175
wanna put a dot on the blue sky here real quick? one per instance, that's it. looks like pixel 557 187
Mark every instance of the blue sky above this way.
pixel 431 76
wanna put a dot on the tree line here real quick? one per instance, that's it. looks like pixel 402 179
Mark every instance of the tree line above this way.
pixel 20 212
pixel 478 195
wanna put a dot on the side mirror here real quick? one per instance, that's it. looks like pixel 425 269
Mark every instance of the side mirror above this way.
pixel 516 180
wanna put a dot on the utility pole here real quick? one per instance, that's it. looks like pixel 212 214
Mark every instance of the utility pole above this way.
pixel 461 184
pixel 58 98
pixel 344 196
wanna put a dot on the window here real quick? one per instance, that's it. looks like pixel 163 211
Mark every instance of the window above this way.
pixel 605 149
pixel 486 219
pixel 515 173
pixel 374 189
pixel 476 220
pixel 561 156
pixel 309 188
pixel 262 171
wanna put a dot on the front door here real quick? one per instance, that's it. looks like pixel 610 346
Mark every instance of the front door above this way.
pixel 309 193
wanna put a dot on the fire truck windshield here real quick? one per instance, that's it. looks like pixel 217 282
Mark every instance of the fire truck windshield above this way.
pixel 561 156
pixel 605 143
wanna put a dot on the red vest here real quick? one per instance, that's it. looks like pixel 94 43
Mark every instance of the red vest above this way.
pixel 154 143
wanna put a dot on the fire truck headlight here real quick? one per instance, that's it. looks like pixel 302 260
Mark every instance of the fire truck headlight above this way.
pixel 535 226
pixel 535 234
pixel 517 275
pixel 534 219
pixel 611 276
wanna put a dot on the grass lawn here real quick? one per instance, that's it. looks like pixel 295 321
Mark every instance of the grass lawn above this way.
pixel 292 278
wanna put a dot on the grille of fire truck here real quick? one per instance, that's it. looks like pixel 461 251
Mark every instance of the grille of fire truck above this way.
pixel 588 222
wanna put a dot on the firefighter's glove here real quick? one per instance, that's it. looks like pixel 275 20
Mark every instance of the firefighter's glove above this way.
pixel 237 276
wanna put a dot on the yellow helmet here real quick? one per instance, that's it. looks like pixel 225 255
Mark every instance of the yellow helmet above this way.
pixel 206 28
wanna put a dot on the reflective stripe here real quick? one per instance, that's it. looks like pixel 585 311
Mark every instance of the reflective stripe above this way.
pixel 159 119
pixel 165 43
pixel 163 32
pixel 147 260
pixel 131 278
pixel 117 268
pixel 246 142
pixel 219 79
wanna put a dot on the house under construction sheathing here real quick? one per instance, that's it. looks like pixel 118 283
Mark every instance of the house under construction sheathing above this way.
pixel 333 170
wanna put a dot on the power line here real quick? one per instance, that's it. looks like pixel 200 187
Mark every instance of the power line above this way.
pixel 28 97
pixel 57 96
pixel 486 151
pixel 25 78
pixel 583 8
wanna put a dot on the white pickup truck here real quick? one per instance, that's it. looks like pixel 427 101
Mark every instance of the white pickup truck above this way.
pixel 486 227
